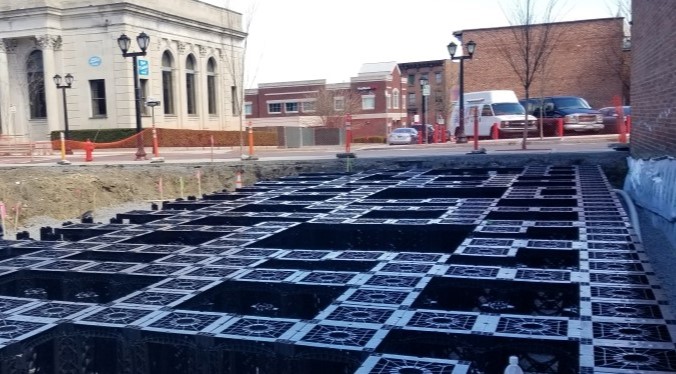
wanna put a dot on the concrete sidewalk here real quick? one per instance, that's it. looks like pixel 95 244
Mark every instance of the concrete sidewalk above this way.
pixel 126 156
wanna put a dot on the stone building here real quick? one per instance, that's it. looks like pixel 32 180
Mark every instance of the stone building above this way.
pixel 193 65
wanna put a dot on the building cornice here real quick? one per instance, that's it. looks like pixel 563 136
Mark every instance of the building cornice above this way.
pixel 211 25
pixel 563 23
pixel 372 78
pixel 338 86
pixel 421 64
pixel 291 93
pixel 316 82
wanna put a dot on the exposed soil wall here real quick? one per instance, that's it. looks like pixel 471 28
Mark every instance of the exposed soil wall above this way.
pixel 65 192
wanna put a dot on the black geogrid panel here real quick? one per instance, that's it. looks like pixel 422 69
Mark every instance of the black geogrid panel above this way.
pixel 388 271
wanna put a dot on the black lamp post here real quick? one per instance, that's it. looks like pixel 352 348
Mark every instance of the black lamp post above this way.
pixel 423 88
pixel 124 43
pixel 69 82
pixel 452 48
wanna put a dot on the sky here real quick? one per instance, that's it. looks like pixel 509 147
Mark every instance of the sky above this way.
pixel 292 40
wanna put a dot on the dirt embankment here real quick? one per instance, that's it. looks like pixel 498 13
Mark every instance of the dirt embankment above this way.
pixel 66 193
pixel 60 193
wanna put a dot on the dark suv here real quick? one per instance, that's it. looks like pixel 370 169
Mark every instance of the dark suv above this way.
pixel 576 113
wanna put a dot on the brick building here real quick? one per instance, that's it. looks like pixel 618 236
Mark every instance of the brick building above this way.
pixel 590 60
pixel 654 72
pixel 652 165
pixel 375 99
pixel 442 76
pixel 587 61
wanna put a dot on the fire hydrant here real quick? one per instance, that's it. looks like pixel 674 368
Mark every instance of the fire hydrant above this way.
pixel 89 150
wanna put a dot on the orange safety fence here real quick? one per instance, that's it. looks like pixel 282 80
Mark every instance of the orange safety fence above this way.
pixel 177 138
pixel 129 142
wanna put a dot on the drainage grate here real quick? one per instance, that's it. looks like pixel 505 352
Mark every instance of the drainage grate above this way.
pixel 635 359
pixel 391 364
pixel 117 316
pixel 356 314
pixel 626 310
pixel 259 328
pixel 186 321
pixel 378 296
pixel 473 271
pixel 438 321
pixel 404 271
pixel 339 336
pixel 533 327
pixel 631 332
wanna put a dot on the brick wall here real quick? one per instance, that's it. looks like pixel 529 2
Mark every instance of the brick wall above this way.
pixel 584 63
pixel 653 132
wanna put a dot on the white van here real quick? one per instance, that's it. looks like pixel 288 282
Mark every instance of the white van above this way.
pixel 499 107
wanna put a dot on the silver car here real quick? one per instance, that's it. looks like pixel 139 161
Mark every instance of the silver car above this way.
pixel 403 135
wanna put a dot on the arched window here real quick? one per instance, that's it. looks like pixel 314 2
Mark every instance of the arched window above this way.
pixel 211 86
pixel 190 84
pixel 395 98
pixel 35 82
pixel 168 83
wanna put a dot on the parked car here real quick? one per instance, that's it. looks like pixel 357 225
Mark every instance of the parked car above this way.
pixel 403 135
pixel 497 107
pixel 610 118
pixel 429 132
pixel 576 113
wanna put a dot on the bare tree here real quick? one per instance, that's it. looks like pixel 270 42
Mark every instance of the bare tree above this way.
pixel 530 43
pixel 234 56
pixel 620 8
pixel 443 102
pixel 620 64
pixel 332 105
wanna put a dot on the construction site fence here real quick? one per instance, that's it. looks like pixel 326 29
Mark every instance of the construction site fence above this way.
pixel 177 138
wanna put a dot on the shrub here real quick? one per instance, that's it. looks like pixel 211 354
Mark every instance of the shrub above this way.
pixel 369 139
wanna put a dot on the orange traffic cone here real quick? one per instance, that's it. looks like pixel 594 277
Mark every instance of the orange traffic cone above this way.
pixel 238 181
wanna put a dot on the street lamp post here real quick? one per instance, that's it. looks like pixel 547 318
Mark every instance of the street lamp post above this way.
pixel 69 82
pixel 452 48
pixel 124 42
pixel 424 93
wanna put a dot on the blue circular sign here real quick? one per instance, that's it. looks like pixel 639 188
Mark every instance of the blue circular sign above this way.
pixel 94 61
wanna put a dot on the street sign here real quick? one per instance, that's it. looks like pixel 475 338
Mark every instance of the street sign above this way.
pixel 143 67
pixel 426 90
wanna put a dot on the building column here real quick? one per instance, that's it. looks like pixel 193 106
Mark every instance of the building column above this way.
pixel 202 96
pixel 5 125
pixel 49 44
pixel 181 90
pixel 221 95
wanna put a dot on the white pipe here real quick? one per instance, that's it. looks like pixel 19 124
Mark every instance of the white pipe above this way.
pixel 633 213
pixel 513 367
